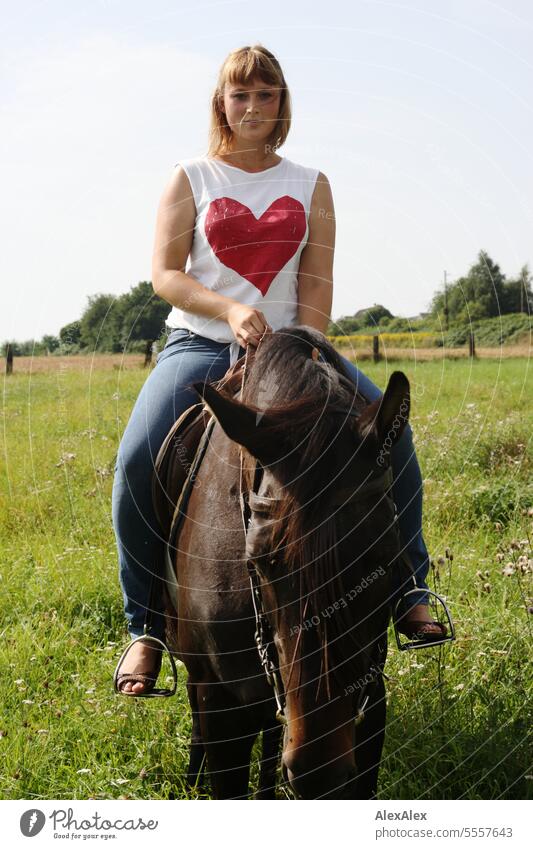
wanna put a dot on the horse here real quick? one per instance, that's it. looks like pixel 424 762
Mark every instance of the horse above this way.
pixel 306 579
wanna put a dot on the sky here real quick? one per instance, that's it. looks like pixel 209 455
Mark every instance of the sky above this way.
pixel 419 113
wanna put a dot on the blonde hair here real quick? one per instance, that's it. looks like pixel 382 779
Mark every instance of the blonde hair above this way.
pixel 240 68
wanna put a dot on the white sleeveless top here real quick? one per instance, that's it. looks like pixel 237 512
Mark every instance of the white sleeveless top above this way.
pixel 249 233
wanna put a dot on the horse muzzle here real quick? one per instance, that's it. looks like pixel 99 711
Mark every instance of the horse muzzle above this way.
pixel 321 782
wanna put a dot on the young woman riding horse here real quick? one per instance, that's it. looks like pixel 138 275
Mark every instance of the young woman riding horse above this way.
pixel 244 245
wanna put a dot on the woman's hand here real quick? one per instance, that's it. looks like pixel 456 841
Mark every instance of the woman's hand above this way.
pixel 247 323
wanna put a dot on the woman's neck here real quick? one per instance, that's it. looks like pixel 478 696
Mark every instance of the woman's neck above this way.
pixel 250 159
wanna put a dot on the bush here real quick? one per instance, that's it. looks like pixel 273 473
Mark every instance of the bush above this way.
pixel 401 333
pixel 499 501
pixel 387 340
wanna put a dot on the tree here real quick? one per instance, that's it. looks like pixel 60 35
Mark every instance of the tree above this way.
pixel 50 343
pixel 100 324
pixel 70 335
pixel 344 326
pixel 142 314
pixel 114 324
pixel 372 316
pixel 481 294
pixel 28 348
pixel 518 296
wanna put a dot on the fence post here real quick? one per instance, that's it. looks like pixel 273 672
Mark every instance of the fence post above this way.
pixel 375 348
pixel 148 354
pixel 9 359
pixel 472 346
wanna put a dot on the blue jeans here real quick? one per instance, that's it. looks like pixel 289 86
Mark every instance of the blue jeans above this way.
pixel 188 357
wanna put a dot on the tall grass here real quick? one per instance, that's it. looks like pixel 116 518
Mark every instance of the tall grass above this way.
pixel 459 717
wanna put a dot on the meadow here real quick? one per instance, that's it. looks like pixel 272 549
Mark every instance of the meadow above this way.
pixel 459 722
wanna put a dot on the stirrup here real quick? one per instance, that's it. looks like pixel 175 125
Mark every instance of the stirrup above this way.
pixel 423 644
pixel 155 693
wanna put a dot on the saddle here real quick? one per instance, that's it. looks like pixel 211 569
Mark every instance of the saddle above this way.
pixel 178 453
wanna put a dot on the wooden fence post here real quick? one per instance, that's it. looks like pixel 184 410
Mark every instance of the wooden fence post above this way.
pixel 148 354
pixel 375 348
pixel 472 346
pixel 9 359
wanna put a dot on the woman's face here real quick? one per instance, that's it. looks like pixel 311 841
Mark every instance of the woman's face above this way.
pixel 251 110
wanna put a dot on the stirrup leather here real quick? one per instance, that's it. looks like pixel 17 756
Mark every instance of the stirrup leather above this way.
pixel 155 693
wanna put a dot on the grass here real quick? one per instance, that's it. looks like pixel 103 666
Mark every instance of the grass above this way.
pixel 459 717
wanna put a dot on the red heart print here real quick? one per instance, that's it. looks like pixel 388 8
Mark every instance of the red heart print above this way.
pixel 256 248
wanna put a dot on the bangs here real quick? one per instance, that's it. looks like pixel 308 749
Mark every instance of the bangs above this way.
pixel 243 68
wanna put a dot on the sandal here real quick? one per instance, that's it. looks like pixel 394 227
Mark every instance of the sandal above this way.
pixel 148 678
pixel 418 630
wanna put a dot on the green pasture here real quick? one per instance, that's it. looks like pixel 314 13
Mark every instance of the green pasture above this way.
pixel 459 717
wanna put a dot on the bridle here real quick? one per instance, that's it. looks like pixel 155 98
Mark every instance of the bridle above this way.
pixel 264 640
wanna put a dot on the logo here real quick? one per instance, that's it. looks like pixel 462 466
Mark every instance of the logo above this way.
pixel 32 822
pixel 266 395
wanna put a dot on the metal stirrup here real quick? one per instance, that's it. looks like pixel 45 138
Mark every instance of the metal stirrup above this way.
pixel 423 643
pixel 156 693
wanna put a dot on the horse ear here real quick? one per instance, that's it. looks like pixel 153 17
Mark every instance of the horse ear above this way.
pixel 387 417
pixel 240 423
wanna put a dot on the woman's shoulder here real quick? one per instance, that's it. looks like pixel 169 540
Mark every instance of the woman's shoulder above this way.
pixel 302 167
pixel 307 173
pixel 192 169
pixel 191 162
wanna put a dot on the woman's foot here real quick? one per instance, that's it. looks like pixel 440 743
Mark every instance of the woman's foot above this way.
pixel 139 669
pixel 418 624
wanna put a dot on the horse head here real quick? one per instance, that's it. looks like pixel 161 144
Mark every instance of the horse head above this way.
pixel 322 537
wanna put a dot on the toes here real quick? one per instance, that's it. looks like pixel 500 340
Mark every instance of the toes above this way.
pixel 133 687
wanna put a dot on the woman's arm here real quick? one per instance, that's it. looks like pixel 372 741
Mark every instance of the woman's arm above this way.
pixel 315 274
pixel 173 239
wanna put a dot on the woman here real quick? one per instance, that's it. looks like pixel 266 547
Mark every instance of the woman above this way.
pixel 239 215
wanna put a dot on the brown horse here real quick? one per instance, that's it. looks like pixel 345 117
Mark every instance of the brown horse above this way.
pixel 321 542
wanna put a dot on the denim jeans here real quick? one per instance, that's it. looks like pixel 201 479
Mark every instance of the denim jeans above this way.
pixel 188 357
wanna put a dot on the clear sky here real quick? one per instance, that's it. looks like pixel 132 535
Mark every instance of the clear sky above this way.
pixel 419 113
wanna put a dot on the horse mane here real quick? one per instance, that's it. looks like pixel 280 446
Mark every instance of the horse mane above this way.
pixel 316 396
